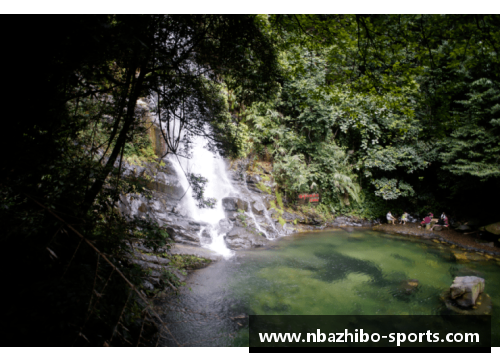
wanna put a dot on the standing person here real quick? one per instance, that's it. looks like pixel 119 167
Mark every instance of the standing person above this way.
pixel 404 218
pixel 390 218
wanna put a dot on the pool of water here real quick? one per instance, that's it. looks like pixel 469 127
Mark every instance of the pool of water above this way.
pixel 326 273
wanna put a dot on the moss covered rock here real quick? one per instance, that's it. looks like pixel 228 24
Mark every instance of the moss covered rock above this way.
pixel 493 228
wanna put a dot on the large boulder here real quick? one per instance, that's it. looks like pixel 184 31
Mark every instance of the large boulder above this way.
pixel 241 238
pixel 493 228
pixel 465 290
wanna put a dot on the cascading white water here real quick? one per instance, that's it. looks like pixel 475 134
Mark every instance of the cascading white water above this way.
pixel 270 221
pixel 213 168
pixel 266 215
pixel 250 212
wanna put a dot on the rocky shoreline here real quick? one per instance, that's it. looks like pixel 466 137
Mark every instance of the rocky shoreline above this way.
pixel 449 236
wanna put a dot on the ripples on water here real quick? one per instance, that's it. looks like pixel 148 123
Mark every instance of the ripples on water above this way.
pixel 326 273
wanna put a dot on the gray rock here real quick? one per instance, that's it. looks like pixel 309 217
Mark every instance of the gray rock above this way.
pixel 341 220
pixel 493 228
pixel 463 228
pixel 465 290
pixel 205 236
pixel 288 216
pixel 151 258
pixel 229 204
pixel 241 238
pixel 266 200
pixel 225 225
pixel 231 215
pixel 182 234
pixel 254 189
pixel 258 208
pixel 183 249
pixel 286 229
pixel 242 205
pixel 255 179
pixel 147 285
pixel 316 222
pixel 198 224
pixel 274 213
pixel 234 204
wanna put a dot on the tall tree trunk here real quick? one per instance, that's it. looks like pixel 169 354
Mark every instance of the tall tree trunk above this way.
pixel 122 137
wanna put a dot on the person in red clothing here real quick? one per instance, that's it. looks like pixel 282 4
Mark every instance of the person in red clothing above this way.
pixel 427 220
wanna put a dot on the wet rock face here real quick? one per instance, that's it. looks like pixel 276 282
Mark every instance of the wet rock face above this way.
pixel 230 204
pixel 241 238
pixel 286 229
pixel 465 290
pixel 234 204
pixel 224 226
pixel 258 208
pixel 231 215
pixel 184 234
pixel 254 179
pixel 288 216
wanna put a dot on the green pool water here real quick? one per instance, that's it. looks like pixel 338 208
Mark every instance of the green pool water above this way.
pixel 326 273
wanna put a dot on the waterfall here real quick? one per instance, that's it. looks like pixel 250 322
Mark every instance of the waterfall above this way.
pixel 209 226
pixel 213 168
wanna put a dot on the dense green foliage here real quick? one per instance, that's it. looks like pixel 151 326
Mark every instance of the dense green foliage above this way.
pixel 399 109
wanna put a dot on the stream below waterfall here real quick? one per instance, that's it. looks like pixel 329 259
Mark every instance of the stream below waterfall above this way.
pixel 325 273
